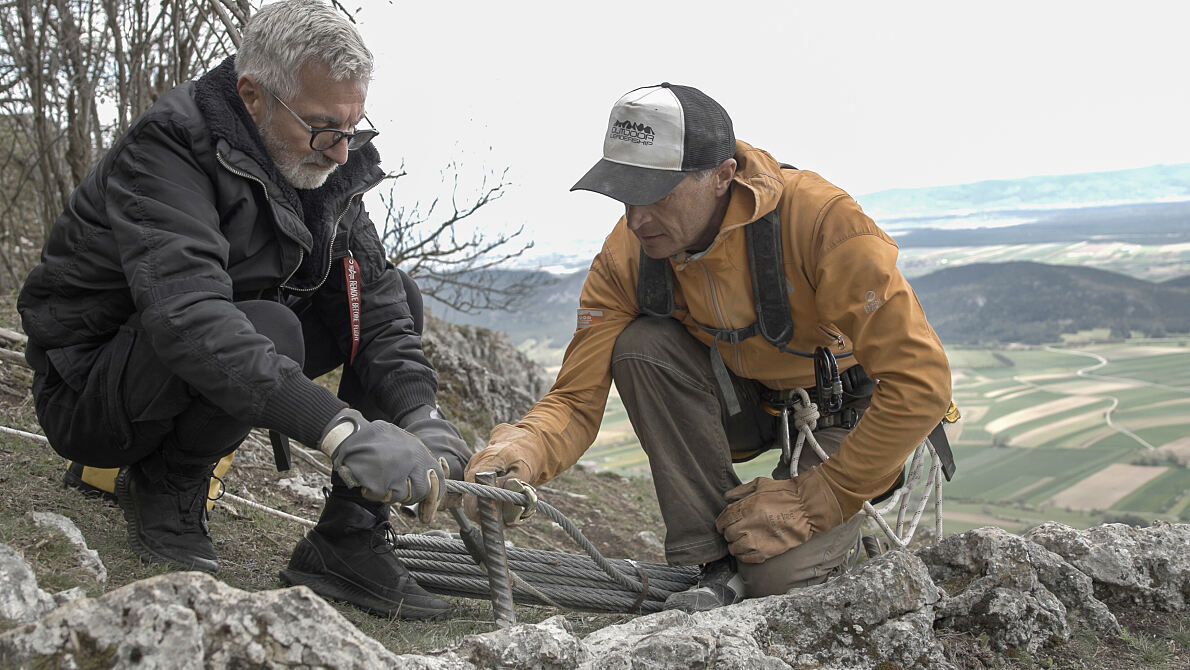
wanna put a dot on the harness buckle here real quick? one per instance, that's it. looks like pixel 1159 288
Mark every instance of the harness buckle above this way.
pixel 848 417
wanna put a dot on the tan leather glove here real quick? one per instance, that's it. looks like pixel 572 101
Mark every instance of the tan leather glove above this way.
pixel 768 517
pixel 511 454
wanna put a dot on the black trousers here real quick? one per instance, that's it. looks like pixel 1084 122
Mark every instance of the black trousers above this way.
pixel 130 408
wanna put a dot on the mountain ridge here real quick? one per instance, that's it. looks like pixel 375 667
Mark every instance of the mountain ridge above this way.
pixel 978 303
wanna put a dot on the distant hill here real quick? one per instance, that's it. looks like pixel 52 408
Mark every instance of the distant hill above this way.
pixel 980 303
pixel 1158 183
pixel 1026 302
pixel 1151 223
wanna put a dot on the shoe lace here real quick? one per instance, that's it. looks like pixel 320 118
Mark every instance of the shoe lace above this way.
pixel 716 571
pixel 384 538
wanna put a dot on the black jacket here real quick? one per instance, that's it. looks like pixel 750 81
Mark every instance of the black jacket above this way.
pixel 187 214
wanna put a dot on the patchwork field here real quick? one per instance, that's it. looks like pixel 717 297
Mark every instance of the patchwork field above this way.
pixel 1081 433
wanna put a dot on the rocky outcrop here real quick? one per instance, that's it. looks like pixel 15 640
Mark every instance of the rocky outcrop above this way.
pixel 1019 592
pixel 1149 567
pixel 882 611
pixel 482 378
pixel 191 620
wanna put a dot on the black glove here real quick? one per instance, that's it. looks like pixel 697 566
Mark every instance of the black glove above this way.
pixel 388 464
pixel 440 437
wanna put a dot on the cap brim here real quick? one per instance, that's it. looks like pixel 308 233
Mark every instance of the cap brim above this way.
pixel 629 184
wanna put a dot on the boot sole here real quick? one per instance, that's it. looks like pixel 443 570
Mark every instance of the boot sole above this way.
pixel 337 588
pixel 142 551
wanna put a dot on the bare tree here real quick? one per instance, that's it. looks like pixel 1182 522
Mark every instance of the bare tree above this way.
pixel 75 73
pixel 460 269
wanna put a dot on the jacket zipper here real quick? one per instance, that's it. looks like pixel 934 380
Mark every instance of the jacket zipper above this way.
pixel 330 250
pixel 301 253
pixel 721 322
pixel 836 336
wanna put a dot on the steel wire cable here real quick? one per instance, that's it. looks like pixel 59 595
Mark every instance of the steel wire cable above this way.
pixel 534 575
pixel 621 578
pixel 535 569
pixel 580 599
pixel 681 573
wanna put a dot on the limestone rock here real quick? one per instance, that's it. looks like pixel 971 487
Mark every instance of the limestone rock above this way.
pixel 675 639
pixel 305 486
pixel 650 540
pixel 482 377
pixel 548 645
pixel 21 599
pixel 190 620
pixel 89 558
pixel 1016 591
pixel 1149 567
pixel 881 612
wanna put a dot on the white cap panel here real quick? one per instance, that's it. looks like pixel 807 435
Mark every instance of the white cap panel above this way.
pixel 646 129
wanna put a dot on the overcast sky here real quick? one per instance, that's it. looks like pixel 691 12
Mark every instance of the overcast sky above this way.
pixel 872 95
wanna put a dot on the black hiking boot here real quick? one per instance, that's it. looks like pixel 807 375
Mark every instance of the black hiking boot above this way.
pixel 349 557
pixel 718 584
pixel 167 520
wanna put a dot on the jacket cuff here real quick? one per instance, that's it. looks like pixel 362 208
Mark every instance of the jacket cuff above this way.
pixel 301 409
pixel 407 394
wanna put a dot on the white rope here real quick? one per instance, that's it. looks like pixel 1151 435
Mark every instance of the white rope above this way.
pixel 266 509
pixel 806 419
pixel 31 436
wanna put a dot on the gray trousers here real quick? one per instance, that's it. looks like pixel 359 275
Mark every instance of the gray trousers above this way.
pixel 664 378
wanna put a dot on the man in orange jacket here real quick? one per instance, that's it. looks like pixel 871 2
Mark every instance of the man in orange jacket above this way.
pixel 699 383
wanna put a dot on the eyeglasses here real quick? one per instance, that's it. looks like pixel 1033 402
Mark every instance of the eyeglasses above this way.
pixel 324 139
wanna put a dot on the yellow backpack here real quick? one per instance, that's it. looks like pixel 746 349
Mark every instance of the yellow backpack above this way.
pixel 102 481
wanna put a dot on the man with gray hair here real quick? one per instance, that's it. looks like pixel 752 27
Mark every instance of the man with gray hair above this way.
pixel 215 261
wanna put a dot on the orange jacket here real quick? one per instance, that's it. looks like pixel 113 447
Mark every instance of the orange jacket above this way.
pixel 845 292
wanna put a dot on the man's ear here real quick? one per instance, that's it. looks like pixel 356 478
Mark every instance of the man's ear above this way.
pixel 723 176
pixel 254 98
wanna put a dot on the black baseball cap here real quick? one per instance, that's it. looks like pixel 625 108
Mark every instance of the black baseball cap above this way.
pixel 656 135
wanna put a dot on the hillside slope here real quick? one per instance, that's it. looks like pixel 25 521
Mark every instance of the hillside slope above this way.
pixel 1033 303
pixel 978 303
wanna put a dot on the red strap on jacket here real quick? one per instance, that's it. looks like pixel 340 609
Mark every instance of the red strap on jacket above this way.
pixel 351 275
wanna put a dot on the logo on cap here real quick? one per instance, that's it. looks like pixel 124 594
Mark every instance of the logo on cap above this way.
pixel 631 131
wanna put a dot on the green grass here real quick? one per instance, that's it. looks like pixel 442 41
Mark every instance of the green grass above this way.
pixel 1160 495
pixel 994 474
pixel 976 359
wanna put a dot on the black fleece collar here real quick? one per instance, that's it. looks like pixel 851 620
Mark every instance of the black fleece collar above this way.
pixel 220 104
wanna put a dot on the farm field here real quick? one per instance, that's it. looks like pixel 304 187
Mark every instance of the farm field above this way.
pixel 1156 262
pixel 1081 433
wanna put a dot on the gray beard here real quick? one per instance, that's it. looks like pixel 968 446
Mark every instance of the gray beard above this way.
pixel 296 169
